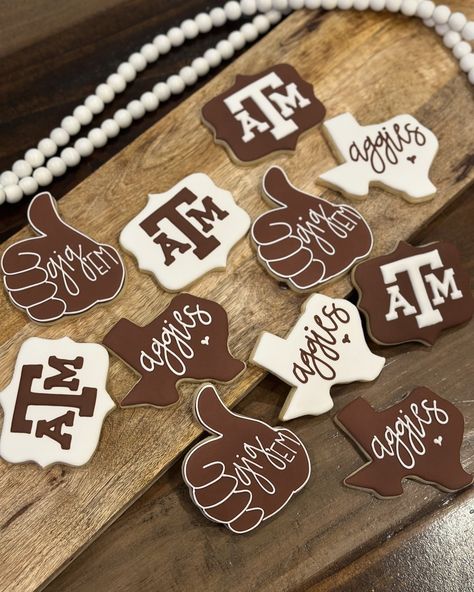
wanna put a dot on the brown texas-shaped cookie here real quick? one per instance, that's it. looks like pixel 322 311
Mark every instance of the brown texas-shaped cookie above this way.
pixel 187 341
pixel 417 438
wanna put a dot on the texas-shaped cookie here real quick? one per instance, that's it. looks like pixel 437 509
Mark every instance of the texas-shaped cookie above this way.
pixel 186 341
pixel 325 347
pixel 418 438
pixel 396 155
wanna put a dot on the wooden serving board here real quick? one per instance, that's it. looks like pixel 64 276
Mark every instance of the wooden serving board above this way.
pixel 385 66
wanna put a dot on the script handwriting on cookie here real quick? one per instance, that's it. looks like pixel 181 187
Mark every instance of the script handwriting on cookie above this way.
pixel 246 471
pixel 307 241
pixel 61 271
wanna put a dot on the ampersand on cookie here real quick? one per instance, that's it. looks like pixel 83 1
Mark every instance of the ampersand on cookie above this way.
pixel 187 341
pixel 62 271
pixel 307 241
pixel 325 347
pixel 246 471
pixel 417 438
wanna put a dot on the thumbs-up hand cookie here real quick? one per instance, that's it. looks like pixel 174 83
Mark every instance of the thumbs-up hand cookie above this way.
pixel 61 271
pixel 307 241
pixel 247 471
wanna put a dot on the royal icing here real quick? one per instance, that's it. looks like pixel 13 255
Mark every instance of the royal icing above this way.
pixel 188 340
pixel 325 347
pixel 56 403
pixel 413 293
pixel 246 471
pixel 62 271
pixel 419 437
pixel 263 113
pixel 396 154
pixel 185 232
pixel 307 241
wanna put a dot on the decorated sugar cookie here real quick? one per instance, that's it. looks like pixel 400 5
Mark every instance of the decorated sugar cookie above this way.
pixel 62 271
pixel 413 293
pixel 56 403
pixel 185 232
pixel 247 471
pixel 417 438
pixel 325 347
pixel 307 241
pixel 187 341
pixel 396 155
pixel 263 113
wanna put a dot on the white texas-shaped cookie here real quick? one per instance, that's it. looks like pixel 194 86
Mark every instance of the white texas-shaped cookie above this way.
pixel 396 154
pixel 325 347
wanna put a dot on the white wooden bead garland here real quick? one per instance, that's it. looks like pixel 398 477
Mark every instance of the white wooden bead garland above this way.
pixel 40 165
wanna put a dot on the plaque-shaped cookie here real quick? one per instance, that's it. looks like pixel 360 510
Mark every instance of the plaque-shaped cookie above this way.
pixel 186 232
pixel 56 403
pixel 263 113
pixel 413 293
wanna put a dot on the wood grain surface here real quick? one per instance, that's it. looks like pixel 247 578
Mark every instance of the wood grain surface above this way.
pixel 59 511
pixel 330 538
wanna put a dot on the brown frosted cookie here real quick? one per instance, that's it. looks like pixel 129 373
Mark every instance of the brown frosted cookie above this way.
pixel 246 471
pixel 413 293
pixel 263 113
pixel 187 341
pixel 307 241
pixel 417 438
pixel 61 271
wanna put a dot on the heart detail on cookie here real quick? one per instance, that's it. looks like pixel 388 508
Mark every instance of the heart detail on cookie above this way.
pixel 412 159
pixel 346 339
pixel 205 341
pixel 438 440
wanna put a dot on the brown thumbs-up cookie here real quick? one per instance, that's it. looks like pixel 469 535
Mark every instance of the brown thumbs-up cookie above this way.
pixel 61 271
pixel 307 241
pixel 246 471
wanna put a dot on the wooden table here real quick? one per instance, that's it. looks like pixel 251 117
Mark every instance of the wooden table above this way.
pixel 334 538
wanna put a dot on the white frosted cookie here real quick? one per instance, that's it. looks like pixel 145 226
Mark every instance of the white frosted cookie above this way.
pixel 325 347
pixel 396 155
pixel 56 403
pixel 185 232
